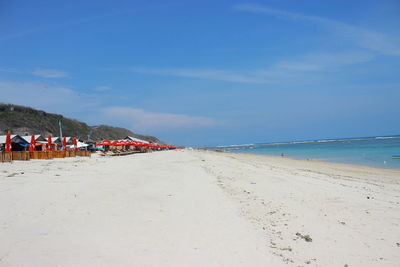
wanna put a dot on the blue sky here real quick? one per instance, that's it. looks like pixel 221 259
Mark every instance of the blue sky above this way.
pixel 208 72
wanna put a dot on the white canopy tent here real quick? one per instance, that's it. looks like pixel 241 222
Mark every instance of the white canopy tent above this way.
pixel 79 145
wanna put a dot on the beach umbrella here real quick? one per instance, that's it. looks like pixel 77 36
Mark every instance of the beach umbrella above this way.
pixel 32 146
pixel 122 143
pixel 49 145
pixel 75 144
pixel 127 143
pixel 8 143
pixel 65 143
pixel 104 143
pixel 116 143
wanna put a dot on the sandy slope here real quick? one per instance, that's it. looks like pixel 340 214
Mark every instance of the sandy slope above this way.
pixel 197 208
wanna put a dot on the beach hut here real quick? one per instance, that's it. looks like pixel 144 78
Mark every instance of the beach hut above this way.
pixel 56 142
pixel 69 140
pixel 17 142
pixel 79 145
pixel 64 143
pixel 40 141
pixel 131 138
pixel 139 144
pixel 38 137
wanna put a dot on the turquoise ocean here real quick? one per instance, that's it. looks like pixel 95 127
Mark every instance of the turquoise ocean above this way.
pixel 371 151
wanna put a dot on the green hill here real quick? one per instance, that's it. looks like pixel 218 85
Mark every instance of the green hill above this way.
pixel 24 120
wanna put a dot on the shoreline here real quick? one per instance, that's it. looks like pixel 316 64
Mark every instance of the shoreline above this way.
pixel 304 160
pixel 198 208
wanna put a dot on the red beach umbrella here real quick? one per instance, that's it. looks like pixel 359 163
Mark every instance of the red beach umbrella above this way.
pixel 65 143
pixel 104 143
pixel 8 143
pixel 116 143
pixel 32 143
pixel 75 144
pixel 49 145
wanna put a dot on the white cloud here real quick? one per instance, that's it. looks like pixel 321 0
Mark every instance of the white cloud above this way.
pixel 142 120
pixel 56 99
pixel 90 108
pixel 322 61
pixel 210 74
pixel 293 67
pixel 49 73
pixel 364 38
pixel 65 24
pixel 363 46
pixel 103 88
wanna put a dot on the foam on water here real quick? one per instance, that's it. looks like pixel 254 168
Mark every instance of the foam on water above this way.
pixel 371 151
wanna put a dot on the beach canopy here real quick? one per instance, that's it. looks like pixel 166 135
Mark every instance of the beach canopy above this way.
pixel 104 143
pixel 123 143
pixel 8 143
pixel 136 139
pixel 79 145
pixel 32 144
pixel 128 142
pixel 115 143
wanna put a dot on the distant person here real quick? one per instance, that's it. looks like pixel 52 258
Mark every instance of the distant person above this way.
pixel 282 155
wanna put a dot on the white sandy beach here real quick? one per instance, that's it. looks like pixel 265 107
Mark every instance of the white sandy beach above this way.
pixel 197 208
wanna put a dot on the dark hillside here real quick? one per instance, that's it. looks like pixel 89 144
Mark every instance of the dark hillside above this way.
pixel 24 120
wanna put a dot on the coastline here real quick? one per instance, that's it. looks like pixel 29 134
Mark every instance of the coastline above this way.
pixel 198 208
pixel 373 151
pixel 317 161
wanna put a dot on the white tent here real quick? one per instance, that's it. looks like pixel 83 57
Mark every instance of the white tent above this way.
pixel 136 139
pixel 79 145
pixel 4 137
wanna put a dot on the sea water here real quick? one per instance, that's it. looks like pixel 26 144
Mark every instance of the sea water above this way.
pixel 370 151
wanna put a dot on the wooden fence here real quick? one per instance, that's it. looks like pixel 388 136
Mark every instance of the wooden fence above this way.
pixel 5 156
pixel 20 155
pixel 41 154
pixel 59 154
pixel 28 155
pixel 83 153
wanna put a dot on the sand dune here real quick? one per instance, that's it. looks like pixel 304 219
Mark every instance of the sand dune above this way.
pixel 197 208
